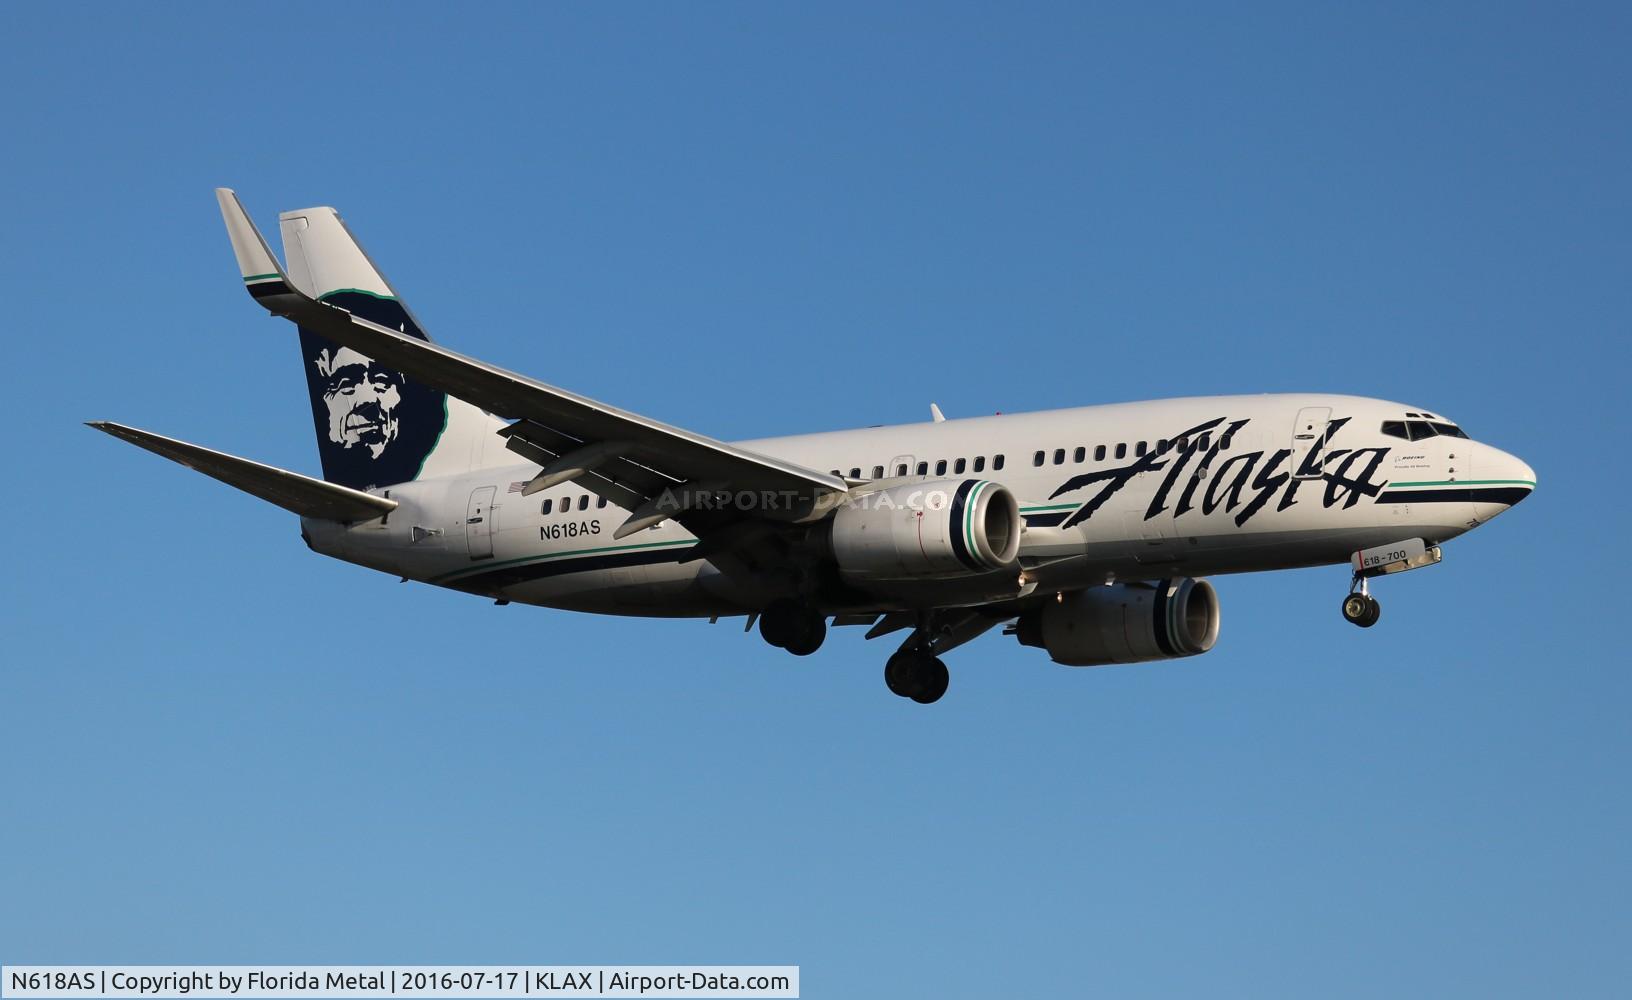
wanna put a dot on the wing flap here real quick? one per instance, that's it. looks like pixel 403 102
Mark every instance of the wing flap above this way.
pixel 292 491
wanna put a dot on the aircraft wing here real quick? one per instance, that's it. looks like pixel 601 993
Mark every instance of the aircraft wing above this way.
pixel 630 459
pixel 292 491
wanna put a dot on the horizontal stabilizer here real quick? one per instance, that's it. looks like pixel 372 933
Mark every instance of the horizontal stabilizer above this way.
pixel 292 491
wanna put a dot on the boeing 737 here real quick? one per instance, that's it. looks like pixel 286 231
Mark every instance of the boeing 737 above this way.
pixel 1085 532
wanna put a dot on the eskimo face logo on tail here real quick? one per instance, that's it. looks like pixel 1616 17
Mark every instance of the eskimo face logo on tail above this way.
pixel 375 427
pixel 362 398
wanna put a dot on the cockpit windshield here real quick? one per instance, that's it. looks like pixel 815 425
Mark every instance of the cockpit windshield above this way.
pixel 1417 430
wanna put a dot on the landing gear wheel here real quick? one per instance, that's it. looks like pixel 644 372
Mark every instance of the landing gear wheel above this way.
pixel 812 630
pixel 1362 610
pixel 932 682
pixel 779 622
pixel 917 675
pixel 791 625
pixel 901 672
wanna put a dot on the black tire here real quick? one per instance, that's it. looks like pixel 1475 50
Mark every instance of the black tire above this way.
pixel 808 639
pixel 1356 607
pixel 1374 611
pixel 933 682
pixel 901 672
pixel 779 623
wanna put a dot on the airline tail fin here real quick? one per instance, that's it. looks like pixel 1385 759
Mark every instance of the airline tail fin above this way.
pixel 375 427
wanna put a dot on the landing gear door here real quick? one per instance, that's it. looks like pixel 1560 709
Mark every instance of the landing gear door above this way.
pixel 479 522
pixel 1309 441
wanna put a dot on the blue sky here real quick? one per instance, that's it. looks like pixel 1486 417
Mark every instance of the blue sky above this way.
pixel 757 219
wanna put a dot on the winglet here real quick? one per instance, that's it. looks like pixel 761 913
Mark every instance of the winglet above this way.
pixel 256 263
pixel 935 412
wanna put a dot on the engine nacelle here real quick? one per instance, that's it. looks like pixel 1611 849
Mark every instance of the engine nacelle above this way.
pixel 1125 623
pixel 931 530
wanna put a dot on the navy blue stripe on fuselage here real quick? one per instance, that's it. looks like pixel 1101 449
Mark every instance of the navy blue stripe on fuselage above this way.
pixel 1508 495
pixel 509 576
pixel 1049 520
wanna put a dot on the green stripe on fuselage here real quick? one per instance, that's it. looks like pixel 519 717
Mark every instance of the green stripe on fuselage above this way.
pixel 548 556
pixel 1466 482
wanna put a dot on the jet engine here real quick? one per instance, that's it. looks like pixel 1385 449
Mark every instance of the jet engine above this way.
pixel 1125 623
pixel 930 530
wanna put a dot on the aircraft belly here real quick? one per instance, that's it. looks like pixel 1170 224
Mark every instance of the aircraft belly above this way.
pixel 663 590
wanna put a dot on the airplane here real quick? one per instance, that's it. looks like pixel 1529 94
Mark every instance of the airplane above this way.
pixel 1088 532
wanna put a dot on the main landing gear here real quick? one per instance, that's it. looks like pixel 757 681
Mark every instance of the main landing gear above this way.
pixel 916 674
pixel 913 672
pixel 1360 608
pixel 793 626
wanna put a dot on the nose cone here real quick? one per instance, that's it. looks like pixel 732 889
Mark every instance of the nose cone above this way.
pixel 1503 480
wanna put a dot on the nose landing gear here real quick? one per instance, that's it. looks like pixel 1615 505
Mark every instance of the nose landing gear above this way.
pixel 1360 608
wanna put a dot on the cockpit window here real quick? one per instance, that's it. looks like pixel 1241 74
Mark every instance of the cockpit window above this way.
pixel 1418 430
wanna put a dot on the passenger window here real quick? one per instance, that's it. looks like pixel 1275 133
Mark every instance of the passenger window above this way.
pixel 855 473
pixel 600 502
pixel 1162 446
pixel 1201 444
pixel 997 463
pixel 1037 459
pixel 959 466
pixel 1139 449
pixel 901 469
pixel 1059 456
pixel 1224 442
pixel 923 468
pixel 1121 450
pixel 878 472
pixel 980 463
pixel 1182 444
pixel 1099 453
pixel 1080 454
pixel 940 467
pixel 583 502
pixel 544 508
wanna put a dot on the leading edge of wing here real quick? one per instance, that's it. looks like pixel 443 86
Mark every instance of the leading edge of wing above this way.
pixel 507 393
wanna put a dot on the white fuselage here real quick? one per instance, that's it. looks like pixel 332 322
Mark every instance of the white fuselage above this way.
pixel 1114 497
